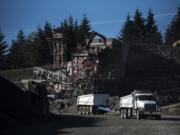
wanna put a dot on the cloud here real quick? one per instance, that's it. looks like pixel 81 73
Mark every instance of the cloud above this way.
pixel 122 20
pixel 164 15
pixel 107 22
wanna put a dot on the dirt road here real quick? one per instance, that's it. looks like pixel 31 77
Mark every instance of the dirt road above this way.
pixel 101 125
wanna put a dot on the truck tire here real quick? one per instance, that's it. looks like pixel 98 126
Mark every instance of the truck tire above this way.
pixel 83 110
pixel 87 110
pixel 90 110
pixel 121 113
pixel 129 113
pixel 125 113
pixel 137 115
pixel 80 110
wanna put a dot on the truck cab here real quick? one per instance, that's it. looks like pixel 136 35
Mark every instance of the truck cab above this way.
pixel 146 104
pixel 139 104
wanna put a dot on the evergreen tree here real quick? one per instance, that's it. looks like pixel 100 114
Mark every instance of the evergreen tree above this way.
pixel 173 31
pixel 48 30
pixel 127 32
pixel 85 26
pixel 139 30
pixel 69 35
pixel 17 51
pixel 47 47
pixel 84 30
pixel 77 33
pixel 21 37
pixel 32 50
pixel 151 30
pixel 41 45
pixel 3 50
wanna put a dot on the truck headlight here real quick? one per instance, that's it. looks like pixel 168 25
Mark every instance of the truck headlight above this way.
pixel 158 108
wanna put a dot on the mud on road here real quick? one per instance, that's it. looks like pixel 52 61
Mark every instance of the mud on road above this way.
pixel 101 125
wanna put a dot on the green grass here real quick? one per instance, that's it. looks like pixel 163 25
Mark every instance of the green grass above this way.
pixel 18 74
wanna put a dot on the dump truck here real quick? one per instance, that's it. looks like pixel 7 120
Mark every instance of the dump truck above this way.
pixel 92 104
pixel 139 104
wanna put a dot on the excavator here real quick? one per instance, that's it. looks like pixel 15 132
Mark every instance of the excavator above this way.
pixel 94 54
pixel 92 36
pixel 176 43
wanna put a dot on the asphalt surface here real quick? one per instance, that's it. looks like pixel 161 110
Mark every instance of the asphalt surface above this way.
pixel 74 124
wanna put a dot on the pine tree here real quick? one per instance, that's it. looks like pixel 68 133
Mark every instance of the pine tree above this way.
pixel 47 48
pixel 153 36
pixel 139 30
pixel 173 31
pixel 75 34
pixel 84 30
pixel 126 35
pixel 31 51
pixel 17 51
pixel 20 37
pixel 69 35
pixel 41 45
pixel 3 50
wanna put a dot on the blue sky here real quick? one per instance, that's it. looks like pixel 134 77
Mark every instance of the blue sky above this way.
pixel 106 16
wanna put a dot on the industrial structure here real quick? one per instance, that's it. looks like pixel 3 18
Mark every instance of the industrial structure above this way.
pixel 78 76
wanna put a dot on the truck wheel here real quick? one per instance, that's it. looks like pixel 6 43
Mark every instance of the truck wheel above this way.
pixel 90 110
pixel 83 110
pixel 129 113
pixel 87 110
pixel 125 113
pixel 121 113
pixel 137 115
pixel 78 110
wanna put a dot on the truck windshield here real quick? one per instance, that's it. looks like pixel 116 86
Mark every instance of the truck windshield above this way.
pixel 145 97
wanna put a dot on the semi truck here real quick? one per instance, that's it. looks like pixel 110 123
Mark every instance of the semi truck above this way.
pixel 92 104
pixel 139 104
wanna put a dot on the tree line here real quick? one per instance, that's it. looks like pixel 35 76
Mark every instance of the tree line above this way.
pixel 35 50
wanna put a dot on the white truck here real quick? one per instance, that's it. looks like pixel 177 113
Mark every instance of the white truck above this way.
pixel 139 104
pixel 92 103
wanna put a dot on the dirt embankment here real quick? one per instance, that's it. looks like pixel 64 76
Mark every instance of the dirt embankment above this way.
pixel 172 109
pixel 18 107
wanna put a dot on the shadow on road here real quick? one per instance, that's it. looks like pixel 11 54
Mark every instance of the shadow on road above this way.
pixel 57 124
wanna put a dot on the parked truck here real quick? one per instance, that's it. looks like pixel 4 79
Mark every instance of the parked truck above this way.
pixel 92 104
pixel 139 104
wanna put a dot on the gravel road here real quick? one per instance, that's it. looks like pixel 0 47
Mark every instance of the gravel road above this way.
pixel 101 125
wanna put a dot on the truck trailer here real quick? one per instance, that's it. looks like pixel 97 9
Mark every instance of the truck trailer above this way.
pixel 139 104
pixel 92 103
